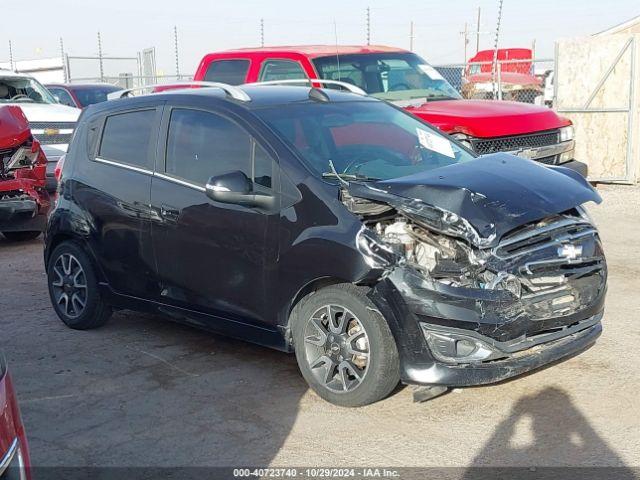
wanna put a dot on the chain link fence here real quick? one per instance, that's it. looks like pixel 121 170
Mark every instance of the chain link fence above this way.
pixel 125 72
pixel 527 81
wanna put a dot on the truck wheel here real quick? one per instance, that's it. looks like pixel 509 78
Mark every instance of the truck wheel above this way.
pixel 73 288
pixel 344 347
pixel 20 236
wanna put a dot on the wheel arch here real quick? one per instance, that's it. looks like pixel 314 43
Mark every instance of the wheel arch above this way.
pixel 61 237
pixel 284 323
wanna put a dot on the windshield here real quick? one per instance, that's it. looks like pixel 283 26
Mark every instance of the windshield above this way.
pixel 23 90
pixel 90 95
pixel 366 140
pixel 389 76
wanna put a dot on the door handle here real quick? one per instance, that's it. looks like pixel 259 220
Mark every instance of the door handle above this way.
pixel 169 213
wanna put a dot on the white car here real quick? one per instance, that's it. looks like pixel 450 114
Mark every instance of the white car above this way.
pixel 51 123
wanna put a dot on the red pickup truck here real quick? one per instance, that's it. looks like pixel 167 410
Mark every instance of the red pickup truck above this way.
pixel 517 81
pixel 402 77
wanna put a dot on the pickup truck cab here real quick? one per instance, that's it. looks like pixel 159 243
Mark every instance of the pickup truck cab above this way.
pixel 51 124
pixel 403 78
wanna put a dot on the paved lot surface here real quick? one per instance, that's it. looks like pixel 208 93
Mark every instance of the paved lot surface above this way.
pixel 144 391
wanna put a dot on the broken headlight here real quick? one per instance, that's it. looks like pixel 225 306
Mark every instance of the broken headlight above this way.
pixel 447 223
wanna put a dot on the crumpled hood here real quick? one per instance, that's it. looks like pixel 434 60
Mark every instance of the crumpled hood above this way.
pixel 49 112
pixel 494 194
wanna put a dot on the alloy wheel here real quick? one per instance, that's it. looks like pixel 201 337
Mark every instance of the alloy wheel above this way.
pixel 336 348
pixel 69 285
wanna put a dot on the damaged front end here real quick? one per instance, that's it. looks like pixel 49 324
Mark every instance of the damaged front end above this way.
pixel 24 201
pixel 470 308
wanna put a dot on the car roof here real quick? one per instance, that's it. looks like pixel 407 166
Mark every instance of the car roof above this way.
pixel 82 86
pixel 11 73
pixel 313 51
pixel 261 96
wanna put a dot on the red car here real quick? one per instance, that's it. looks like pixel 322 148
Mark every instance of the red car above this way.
pixel 24 201
pixel 81 95
pixel 14 451
pixel 402 77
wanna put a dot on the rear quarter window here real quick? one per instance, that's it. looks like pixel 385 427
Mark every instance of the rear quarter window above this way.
pixel 231 72
pixel 126 138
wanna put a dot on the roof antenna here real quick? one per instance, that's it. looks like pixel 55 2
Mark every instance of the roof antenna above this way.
pixel 335 34
pixel 335 172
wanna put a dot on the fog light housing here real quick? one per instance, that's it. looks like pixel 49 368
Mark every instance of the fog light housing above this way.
pixel 454 347
pixel 566 156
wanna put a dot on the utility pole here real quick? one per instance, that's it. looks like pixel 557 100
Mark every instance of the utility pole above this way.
pixel 495 66
pixel 64 62
pixel 11 56
pixel 465 36
pixel 368 26
pixel 411 37
pixel 262 32
pixel 175 44
pixel 478 31
pixel 100 57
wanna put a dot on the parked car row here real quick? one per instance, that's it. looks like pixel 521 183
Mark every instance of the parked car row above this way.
pixel 339 219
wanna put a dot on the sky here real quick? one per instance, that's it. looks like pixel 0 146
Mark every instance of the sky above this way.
pixel 128 27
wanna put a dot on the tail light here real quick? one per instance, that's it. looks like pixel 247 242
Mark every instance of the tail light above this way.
pixel 59 166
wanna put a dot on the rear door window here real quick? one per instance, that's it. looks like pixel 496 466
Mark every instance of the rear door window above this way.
pixel 201 145
pixel 232 72
pixel 281 70
pixel 126 138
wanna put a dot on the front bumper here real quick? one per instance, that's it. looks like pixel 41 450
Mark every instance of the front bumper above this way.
pixel 518 342
pixel 513 364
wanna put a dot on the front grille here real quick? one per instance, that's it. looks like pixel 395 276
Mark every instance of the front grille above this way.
pixel 55 138
pixel 486 146
pixel 560 265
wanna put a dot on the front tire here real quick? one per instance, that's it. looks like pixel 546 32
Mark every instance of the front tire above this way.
pixel 73 288
pixel 344 347
pixel 21 236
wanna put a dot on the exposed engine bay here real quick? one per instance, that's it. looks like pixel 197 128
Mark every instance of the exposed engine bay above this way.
pixel 535 278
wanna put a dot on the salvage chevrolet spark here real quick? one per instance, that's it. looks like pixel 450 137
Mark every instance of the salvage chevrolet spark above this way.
pixel 329 224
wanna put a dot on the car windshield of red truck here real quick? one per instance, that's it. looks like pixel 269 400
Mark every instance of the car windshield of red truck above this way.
pixel 389 76
pixel 366 140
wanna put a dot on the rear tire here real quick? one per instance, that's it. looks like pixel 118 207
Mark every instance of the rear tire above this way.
pixel 21 236
pixel 73 288
pixel 352 361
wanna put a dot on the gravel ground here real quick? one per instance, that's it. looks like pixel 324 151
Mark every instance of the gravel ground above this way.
pixel 145 391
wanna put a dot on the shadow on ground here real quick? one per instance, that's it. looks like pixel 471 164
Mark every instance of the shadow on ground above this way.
pixel 547 429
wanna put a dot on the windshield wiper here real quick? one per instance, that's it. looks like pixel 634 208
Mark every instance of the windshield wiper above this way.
pixel 349 176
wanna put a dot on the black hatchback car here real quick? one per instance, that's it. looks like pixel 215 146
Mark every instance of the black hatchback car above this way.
pixel 330 224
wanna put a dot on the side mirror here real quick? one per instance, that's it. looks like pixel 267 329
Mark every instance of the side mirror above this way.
pixel 236 188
